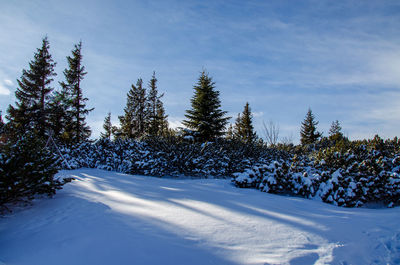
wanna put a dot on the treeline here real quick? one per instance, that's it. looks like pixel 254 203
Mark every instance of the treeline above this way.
pixel 144 114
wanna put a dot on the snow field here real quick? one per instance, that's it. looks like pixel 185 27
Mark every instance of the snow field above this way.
pixel 112 218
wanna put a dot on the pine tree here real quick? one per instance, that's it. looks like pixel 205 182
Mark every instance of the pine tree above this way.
pixel 157 123
pixel 28 168
pixel 206 118
pixel 163 127
pixel 57 117
pixel 237 128
pixel 309 133
pixel 335 128
pixel 108 128
pixel 77 111
pixel 244 129
pixel 135 118
pixel 31 113
pixel 335 132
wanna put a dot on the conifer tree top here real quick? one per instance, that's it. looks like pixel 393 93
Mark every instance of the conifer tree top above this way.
pixel 205 117
pixel 309 133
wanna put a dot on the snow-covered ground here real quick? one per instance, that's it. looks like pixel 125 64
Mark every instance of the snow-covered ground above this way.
pixel 111 218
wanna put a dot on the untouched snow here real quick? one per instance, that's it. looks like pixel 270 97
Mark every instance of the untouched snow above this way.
pixel 111 218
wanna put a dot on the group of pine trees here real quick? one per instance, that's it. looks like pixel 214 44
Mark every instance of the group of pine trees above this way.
pixel 144 114
pixel 40 109
pixel 310 135
pixel 41 113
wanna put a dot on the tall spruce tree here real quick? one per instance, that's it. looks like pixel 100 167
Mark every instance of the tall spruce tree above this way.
pixel 244 129
pixel 308 132
pixel 108 128
pixel 135 118
pixel 77 111
pixel 157 123
pixel 31 112
pixel 206 118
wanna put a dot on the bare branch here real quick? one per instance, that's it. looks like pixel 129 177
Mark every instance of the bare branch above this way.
pixel 271 132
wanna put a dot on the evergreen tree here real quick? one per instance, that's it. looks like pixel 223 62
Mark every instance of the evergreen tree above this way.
pixel 31 113
pixel 135 118
pixel 28 168
pixel 244 129
pixel 163 127
pixel 309 133
pixel 335 132
pixel 108 128
pixel 335 128
pixel 56 117
pixel 157 124
pixel 73 96
pixel 237 128
pixel 206 118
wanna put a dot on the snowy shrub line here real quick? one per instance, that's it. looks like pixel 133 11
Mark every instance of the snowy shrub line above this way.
pixel 349 174
pixel 172 156
pixel 349 179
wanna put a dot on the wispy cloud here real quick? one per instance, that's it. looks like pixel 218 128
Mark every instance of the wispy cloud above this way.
pixel 4 91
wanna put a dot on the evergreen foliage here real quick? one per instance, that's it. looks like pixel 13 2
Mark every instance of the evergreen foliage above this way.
pixel 157 123
pixel 309 133
pixel 108 128
pixel 74 103
pixel 206 118
pixel 58 118
pixel 136 116
pixel 32 111
pixel 27 169
pixel 244 129
pixel 335 132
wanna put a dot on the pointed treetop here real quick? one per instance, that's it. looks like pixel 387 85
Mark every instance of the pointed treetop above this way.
pixel 206 118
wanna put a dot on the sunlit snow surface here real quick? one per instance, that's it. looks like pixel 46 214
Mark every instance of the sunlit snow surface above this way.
pixel 111 218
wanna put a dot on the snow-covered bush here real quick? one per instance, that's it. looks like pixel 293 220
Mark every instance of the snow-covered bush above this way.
pixel 343 173
pixel 349 174
pixel 27 168
pixel 172 156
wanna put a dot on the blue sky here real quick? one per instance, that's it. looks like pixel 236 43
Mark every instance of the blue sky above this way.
pixel 341 58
